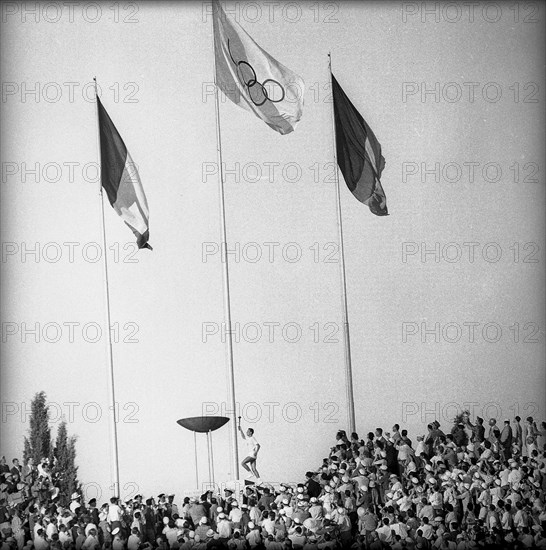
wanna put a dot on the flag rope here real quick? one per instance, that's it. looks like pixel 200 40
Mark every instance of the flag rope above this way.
pixel 225 273
pixel 111 386
pixel 348 365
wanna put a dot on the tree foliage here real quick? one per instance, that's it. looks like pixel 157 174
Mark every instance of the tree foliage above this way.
pixel 65 470
pixel 38 443
pixel 62 454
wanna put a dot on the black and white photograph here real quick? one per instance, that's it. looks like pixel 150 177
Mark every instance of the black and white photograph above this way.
pixel 272 275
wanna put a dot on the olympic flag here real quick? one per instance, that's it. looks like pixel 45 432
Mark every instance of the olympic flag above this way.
pixel 253 79
pixel 120 179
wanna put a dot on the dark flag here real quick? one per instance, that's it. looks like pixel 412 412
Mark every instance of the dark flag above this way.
pixel 358 153
pixel 120 179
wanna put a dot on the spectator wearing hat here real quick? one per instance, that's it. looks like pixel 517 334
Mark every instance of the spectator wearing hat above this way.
pixel 506 439
pixel 92 541
pixel 298 538
pixel 93 511
pixel 245 519
pixel 138 523
pixel 118 542
pixel 469 481
pixel 224 527
pixel 225 503
pixel 170 532
pixel 214 512
pixel 196 511
pixel 113 516
pixel 134 541
pixel 172 508
pixel 312 486
pixel 343 522
pixel 254 536
pixel 149 532
pixel 40 542
pixel 203 528
pixel 105 536
pixel 235 515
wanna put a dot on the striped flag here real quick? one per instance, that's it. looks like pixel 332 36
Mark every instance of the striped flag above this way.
pixel 253 79
pixel 358 153
pixel 120 179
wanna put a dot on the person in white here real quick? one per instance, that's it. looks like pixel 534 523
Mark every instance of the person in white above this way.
pixel 249 462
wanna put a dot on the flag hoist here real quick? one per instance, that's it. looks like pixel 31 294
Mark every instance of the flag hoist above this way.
pixel 256 82
pixel 357 153
pixel 119 178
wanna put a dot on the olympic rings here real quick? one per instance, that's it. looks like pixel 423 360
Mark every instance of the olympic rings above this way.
pixel 262 95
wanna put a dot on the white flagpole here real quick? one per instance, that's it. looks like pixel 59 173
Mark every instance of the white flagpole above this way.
pixel 348 366
pixel 111 387
pixel 225 273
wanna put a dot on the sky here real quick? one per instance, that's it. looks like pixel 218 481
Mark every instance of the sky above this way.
pixel 445 295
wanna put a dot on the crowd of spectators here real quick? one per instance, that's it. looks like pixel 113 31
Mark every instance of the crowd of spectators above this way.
pixel 470 486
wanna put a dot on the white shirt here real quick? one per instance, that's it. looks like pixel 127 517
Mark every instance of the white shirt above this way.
pixel 51 529
pixel 224 528
pixel 251 444
pixel 235 515
pixel 65 536
pixel 133 542
pixel 114 513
